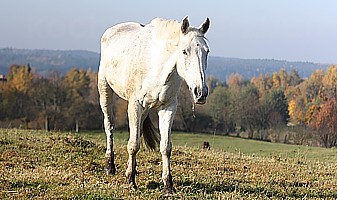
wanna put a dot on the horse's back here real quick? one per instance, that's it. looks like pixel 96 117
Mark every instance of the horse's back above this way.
pixel 116 39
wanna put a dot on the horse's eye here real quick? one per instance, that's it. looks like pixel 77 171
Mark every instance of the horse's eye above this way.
pixel 184 52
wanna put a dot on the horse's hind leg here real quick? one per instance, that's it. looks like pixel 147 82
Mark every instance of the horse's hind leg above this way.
pixel 105 98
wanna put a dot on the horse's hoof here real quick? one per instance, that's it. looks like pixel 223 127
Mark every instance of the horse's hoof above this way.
pixel 110 171
pixel 168 186
pixel 169 190
pixel 132 185
pixel 131 181
pixel 110 168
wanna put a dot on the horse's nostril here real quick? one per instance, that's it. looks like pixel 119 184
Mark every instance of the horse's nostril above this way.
pixel 197 92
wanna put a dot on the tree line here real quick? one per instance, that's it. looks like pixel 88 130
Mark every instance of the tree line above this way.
pixel 280 107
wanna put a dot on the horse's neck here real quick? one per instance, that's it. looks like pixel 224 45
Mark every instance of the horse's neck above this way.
pixel 169 68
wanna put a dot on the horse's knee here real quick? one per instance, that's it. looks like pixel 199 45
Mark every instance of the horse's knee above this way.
pixel 165 149
pixel 105 96
pixel 133 147
pixel 108 125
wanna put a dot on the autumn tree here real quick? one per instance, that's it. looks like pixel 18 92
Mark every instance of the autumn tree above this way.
pixel 77 85
pixel 235 83
pixel 19 80
pixel 235 80
pixel 262 121
pixel 249 100
pixel 295 112
pixel 93 112
pixel 218 104
pixel 272 112
pixel 7 105
pixel 283 78
pixel 276 81
pixel 294 79
pixel 329 83
pixel 297 103
pixel 263 83
pixel 93 96
pixel 324 123
pixel 49 98
pixel 315 85
pixel 278 103
pixel 20 77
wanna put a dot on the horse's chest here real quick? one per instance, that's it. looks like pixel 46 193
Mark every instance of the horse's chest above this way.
pixel 160 94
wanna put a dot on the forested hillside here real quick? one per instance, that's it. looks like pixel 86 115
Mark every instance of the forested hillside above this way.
pixel 221 68
pixel 43 61
pixel 281 107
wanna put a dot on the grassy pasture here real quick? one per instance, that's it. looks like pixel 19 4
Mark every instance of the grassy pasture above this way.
pixel 40 165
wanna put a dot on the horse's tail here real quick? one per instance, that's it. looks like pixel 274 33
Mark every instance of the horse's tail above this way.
pixel 150 134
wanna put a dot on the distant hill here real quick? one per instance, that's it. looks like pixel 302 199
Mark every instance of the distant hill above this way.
pixel 45 60
pixel 222 68
pixel 219 67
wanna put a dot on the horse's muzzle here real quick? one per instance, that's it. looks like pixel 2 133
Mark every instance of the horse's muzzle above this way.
pixel 200 95
pixel 201 100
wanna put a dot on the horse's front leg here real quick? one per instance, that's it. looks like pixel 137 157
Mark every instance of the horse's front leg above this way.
pixel 134 114
pixel 166 116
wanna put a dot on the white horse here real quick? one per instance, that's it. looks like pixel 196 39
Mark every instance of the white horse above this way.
pixel 145 65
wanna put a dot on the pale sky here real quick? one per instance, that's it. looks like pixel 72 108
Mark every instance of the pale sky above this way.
pixel 294 30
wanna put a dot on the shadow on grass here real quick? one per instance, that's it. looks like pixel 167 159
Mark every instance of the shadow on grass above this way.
pixel 152 185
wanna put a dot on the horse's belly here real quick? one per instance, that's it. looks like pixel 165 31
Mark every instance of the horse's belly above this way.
pixel 118 82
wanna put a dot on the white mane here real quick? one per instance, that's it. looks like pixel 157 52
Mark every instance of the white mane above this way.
pixel 168 30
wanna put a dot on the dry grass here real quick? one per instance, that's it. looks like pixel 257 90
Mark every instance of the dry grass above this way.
pixel 39 165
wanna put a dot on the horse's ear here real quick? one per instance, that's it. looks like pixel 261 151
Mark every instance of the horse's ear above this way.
pixel 184 25
pixel 204 27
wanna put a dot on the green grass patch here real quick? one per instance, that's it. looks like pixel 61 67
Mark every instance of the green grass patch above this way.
pixel 43 165
pixel 234 145
pixel 255 147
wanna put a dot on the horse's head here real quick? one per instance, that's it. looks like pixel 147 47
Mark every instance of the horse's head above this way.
pixel 192 59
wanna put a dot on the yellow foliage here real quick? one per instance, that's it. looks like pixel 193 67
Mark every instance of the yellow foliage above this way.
pixel 310 113
pixel 292 108
pixel 295 112
pixel 330 78
pixel 276 80
pixel 20 78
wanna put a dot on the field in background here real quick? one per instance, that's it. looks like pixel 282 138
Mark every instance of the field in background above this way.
pixel 36 164
pixel 235 145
